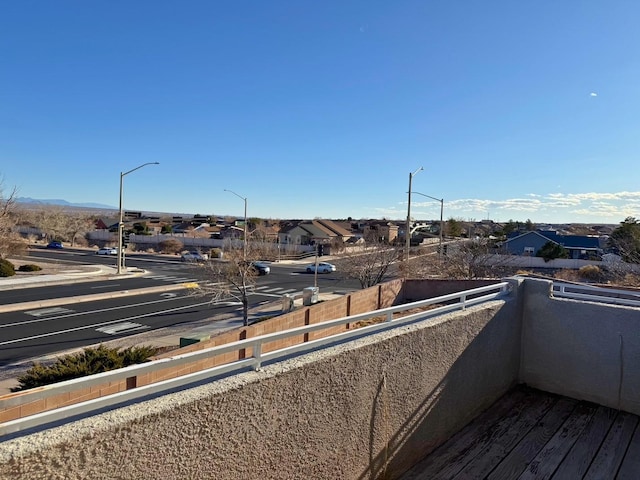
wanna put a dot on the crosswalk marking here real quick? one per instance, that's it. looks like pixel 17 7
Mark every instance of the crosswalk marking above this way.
pixel 47 312
pixel 121 327
pixel 266 290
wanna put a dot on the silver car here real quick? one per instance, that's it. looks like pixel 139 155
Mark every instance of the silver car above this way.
pixel 323 267
pixel 194 256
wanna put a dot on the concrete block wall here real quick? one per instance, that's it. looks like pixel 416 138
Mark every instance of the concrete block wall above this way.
pixel 58 401
pixel 370 408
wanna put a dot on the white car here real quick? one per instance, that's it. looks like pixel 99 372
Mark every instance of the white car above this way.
pixel 323 267
pixel 107 251
pixel 194 256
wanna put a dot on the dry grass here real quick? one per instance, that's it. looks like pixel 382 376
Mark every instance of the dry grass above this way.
pixel 382 318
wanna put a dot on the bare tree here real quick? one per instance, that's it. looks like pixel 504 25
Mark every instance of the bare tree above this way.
pixel 231 278
pixel 51 220
pixel 370 264
pixel 78 223
pixel 10 241
pixel 471 259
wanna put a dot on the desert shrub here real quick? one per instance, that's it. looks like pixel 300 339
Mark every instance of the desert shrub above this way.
pixel 215 253
pixel 630 280
pixel 7 269
pixel 29 267
pixel 591 273
pixel 171 246
pixel 88 362
pixel 567 274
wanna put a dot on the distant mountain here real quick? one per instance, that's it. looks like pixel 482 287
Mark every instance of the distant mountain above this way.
pixel 36 201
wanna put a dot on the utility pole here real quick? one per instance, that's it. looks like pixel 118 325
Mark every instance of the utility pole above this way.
pixel 408 227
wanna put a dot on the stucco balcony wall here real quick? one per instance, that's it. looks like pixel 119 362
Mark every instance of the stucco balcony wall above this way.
pixel 584 350
pixel 369 408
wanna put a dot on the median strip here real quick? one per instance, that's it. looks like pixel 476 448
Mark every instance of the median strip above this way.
pixel 54 302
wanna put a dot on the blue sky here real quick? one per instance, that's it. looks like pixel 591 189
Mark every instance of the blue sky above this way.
pixel 516 110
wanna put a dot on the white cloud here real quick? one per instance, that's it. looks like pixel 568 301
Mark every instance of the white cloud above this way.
pixel 608 207
pixel 593 94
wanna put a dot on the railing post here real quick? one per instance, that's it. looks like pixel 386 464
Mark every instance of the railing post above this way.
pixel 389 316
pixel 463 301
pixel 257 354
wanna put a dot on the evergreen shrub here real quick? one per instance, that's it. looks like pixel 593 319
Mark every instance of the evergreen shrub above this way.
pixel 7 269
pixel 29 267
pixel 88 362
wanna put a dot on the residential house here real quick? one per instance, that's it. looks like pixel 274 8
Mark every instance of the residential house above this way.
pixel 382 230
pixel 529 243
pixel 310 232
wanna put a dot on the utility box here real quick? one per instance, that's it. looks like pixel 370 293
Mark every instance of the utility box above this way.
pixel 190 340
pixel 310 295
pixel 287 303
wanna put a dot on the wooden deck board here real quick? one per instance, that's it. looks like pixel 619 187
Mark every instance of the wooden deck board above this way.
pixel 613 449
pixel 535 440
pixel 495 452
pixel 535 435
pixel 579 458
pixel 469 441
pixel 630 468
pixel 547 461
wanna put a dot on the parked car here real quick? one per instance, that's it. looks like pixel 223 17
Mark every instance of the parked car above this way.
pixel 323 267
pixel 107 251
pixel 54 244
pixel 261 268
pixel 194 256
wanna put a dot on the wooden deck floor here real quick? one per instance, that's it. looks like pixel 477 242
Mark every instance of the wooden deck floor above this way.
pixel 529 434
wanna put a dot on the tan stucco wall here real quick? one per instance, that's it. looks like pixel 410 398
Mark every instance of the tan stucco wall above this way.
pixel 583 350
pixel 370 408
pixel 419 289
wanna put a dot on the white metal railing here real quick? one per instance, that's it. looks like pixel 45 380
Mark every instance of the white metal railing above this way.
pixel 596 294
pixel 451 302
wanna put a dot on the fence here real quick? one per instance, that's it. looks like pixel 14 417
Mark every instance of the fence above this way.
pixel 38 406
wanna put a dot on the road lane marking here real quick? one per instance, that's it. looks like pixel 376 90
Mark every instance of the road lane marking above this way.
pixel 101 324
pixel 92 312
pixel 46 312
pixel 122 327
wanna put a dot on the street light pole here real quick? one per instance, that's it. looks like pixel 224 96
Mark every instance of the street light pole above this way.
pixel 244 246
pixel 408 227
pixel 120 256
pixel 441 200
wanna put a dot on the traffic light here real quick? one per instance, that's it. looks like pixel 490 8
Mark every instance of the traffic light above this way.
pixel 320 250
pixel 125 238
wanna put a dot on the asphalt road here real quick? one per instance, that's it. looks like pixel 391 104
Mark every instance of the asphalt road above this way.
pixel 35 332
pixel 38 332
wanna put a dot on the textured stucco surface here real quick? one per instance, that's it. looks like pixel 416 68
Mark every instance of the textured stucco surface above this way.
pixel 370 408
pixel 583 350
